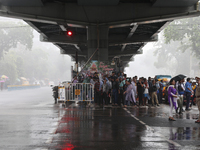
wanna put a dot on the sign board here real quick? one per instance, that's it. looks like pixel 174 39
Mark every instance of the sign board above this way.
pixel 61 93
pixel 77 92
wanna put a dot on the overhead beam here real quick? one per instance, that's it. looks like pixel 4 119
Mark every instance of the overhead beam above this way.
pixel 113 15
pixel 112 39
pixel 124 58
pixel 71 53
pixel 134 39
pixel 63 28
pixel 64 39
pixel 132 30
pixel 125 53
pixel 128 53
pixel 130 35
pixel 22 3
pixel 172 3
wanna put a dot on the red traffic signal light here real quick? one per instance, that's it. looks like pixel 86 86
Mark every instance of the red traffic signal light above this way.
pixel 69 33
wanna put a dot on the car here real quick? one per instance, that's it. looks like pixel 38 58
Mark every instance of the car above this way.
pixel 165 78
pixel 51 83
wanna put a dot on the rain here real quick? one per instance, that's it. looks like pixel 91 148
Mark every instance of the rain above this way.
pixel 33 75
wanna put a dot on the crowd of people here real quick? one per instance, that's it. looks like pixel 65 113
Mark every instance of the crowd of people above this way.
pixel 119 90
pixel 178 91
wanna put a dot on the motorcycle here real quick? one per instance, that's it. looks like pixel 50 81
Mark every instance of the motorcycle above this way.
pixel 55 93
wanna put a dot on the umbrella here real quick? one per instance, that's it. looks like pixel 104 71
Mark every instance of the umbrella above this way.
pixel 4 76
pixel 22 78
pixel 2 81
pixel 182 76
pixel 178 77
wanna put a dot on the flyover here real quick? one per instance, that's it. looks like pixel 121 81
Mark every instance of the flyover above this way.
pixel 115 27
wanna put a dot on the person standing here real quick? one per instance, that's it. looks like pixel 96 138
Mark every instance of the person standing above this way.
pixel 158 87
pixel 109 83
pixel 188 93
pixel 161 91
pixel 150 87
pixel 172 99
pixel 116 91
pixel 105 92
pixel 153 92
pixel 91 80
pixel 146 92
pixel 121 85
pixel 134 84
pixel 194 90
pixel 150 82
pixel 126 102
pixel 181 90
pixel 197 93
pixel 97 92
pixel 140 90
pixel 129 94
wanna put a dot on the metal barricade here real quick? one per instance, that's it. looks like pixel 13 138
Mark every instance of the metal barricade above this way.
pixel 61 93
pixel 79 92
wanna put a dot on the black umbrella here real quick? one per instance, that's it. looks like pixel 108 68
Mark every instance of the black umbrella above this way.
pixel 178 77
pixel 182 76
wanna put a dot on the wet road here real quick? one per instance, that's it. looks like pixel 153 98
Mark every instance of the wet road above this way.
pixel 30 120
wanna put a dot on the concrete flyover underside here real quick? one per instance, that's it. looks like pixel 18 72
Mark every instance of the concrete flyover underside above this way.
pixel 116 27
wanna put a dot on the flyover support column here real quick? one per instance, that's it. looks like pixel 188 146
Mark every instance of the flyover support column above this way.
pixel 97 37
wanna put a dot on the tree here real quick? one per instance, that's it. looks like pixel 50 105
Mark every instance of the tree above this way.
pixel 35 63
pixel 187 32
pixel 8 66
pixel 11 34
pixel 19 64
pixel 171 57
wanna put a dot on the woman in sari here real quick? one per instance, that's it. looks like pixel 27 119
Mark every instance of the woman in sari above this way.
pixel 129 94
pixel 172 98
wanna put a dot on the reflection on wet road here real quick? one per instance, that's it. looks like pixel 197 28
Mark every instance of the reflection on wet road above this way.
pixel 30 120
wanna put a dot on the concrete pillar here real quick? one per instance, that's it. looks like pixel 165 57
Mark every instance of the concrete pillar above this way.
pixel 98 36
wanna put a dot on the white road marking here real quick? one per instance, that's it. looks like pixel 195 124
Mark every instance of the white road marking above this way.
pixel 151 129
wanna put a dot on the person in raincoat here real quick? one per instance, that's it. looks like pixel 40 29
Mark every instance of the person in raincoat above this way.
pixel 134 84
pixel 129 94
pixel 172 98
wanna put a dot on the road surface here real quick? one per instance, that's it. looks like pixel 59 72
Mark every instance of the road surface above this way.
pixel 29 119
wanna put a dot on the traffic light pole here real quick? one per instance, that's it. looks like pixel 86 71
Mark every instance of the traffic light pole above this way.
pixel 77 62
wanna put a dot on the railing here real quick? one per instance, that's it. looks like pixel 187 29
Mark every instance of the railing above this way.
pixel 76 92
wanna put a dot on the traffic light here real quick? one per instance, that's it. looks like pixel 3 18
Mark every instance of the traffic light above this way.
pixel 69 33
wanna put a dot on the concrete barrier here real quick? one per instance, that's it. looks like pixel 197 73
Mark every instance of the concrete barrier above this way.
pixel 22 87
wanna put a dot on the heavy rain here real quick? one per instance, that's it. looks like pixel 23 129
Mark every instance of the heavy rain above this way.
pixel 49 101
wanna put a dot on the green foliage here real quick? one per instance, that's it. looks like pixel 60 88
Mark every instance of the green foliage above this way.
pixel 20 58
pixel 171 57
pixel 187 32
pixel 12 34
pixel 19 64
pixel 22 63
pixel 8 66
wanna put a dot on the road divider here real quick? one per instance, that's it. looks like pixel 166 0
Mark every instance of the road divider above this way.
pixel 22 87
